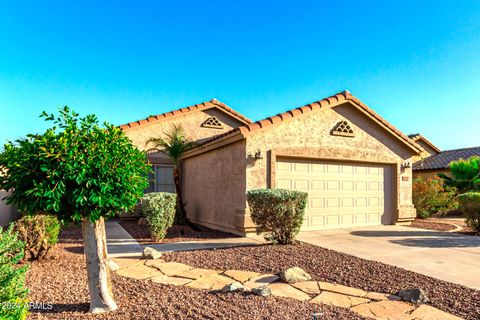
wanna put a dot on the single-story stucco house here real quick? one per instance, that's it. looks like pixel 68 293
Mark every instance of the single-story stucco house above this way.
pixel 355 166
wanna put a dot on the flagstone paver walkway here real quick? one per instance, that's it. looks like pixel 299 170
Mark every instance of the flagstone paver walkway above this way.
pixel 376 305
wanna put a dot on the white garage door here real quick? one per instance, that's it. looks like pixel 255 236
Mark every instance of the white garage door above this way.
pixel 340 194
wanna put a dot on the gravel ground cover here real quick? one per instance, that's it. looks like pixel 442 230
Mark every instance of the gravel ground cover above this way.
pixel 177 233
pixel 429 225
pixel 62 282
pixel 332 266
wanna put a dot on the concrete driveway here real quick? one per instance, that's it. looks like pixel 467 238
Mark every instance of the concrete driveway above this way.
pixel 442 255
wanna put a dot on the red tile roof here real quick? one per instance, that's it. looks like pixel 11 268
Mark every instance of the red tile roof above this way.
pixel 417 136
pixel 331 101
pixel 214 103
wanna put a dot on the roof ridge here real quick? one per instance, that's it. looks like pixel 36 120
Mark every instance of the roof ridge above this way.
pixel 198 106
pixel 467 148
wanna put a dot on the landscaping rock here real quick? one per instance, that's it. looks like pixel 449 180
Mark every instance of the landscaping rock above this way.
pixel 233 287
pixel 169 268
pixel 382 296
pixel 385 310
pixel 142 222
pixel 212 282
pixel 151 254
pixel 112 265
pixel 197 273
pixel 338 300
pixel 240 275
pixel 416 296
pixel 261 280
pixel 287 291
pixel 310 287
pixel 263 291
pixel 163 279
pixel 341 289
pixel 425 312
pixel 294 274
pixel 139 272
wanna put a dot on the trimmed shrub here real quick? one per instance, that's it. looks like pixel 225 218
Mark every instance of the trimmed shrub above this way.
pixel 159 210
pixel 431 197
pixel 39 233
pixel 13 293
pixel 277 212
pixel 470 206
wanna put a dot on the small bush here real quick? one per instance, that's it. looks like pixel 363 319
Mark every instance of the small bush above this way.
pixel 13 293
pixel 470 206
pixel 159 210
pixel 39 233
pixel 277 212
pixel 431 197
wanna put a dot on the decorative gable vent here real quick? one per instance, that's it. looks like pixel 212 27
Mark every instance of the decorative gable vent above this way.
pixel 213 123
pixel 343 129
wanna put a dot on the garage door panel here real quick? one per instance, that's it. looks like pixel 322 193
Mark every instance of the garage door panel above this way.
pixel 340 194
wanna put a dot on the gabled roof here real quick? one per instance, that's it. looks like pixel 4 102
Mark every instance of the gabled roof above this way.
pixel 443 159
pixel 330 102
pixel 214 103
pixel 417 136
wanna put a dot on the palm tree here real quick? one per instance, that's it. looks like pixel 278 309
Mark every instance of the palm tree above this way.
pixel 173 144
pixel 466 174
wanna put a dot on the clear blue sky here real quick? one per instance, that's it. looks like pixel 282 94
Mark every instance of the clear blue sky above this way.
pixel 417 63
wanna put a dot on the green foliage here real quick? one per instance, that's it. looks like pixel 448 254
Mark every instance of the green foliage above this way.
pixel 76 170
pixel 470 206
pixel 39 233
pixel 159 210
pixel 279 213
pixel 466 174
pixel 431 196
pixel 13 293
pixel 174 144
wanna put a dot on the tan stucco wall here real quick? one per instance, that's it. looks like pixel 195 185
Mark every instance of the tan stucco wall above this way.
pixel 7 213
pixel 191 123
pixel 309 136
pixel 425 174
pixel 214 188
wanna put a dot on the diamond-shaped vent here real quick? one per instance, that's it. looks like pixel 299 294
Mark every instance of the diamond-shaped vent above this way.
pixel 343 129
pixel 212 122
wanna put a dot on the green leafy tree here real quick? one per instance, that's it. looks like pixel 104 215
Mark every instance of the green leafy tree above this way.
pixel 465 174
pixel 174 144
pixel 80 171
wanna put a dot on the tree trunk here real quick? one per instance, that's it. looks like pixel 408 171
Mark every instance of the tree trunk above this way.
pixel 182 216
pixel 99 283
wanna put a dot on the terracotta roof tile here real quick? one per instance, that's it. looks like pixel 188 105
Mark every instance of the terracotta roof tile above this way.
pixel 201 106
pixel 417 136
pixel 443 159
pixel 329 101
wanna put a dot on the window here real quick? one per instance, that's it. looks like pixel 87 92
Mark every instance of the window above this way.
pixel 162 179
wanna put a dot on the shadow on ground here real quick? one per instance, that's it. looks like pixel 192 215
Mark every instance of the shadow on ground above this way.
pixel 420 238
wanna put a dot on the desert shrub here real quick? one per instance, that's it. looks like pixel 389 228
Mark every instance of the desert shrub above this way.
pixel 39 233
pixel 159 210
pixel 277 212
pixel 470 206
pixel 465 174
pixel 431 196
pixel 13 293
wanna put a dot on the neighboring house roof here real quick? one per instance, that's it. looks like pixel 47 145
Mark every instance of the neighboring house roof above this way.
pixel 443 159
pixel 330 102
pixel 417 136
pixel 214 103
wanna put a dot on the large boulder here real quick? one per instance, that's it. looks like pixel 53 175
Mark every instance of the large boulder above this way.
pixel 416 296
pixel 150 253
pixel 294 274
